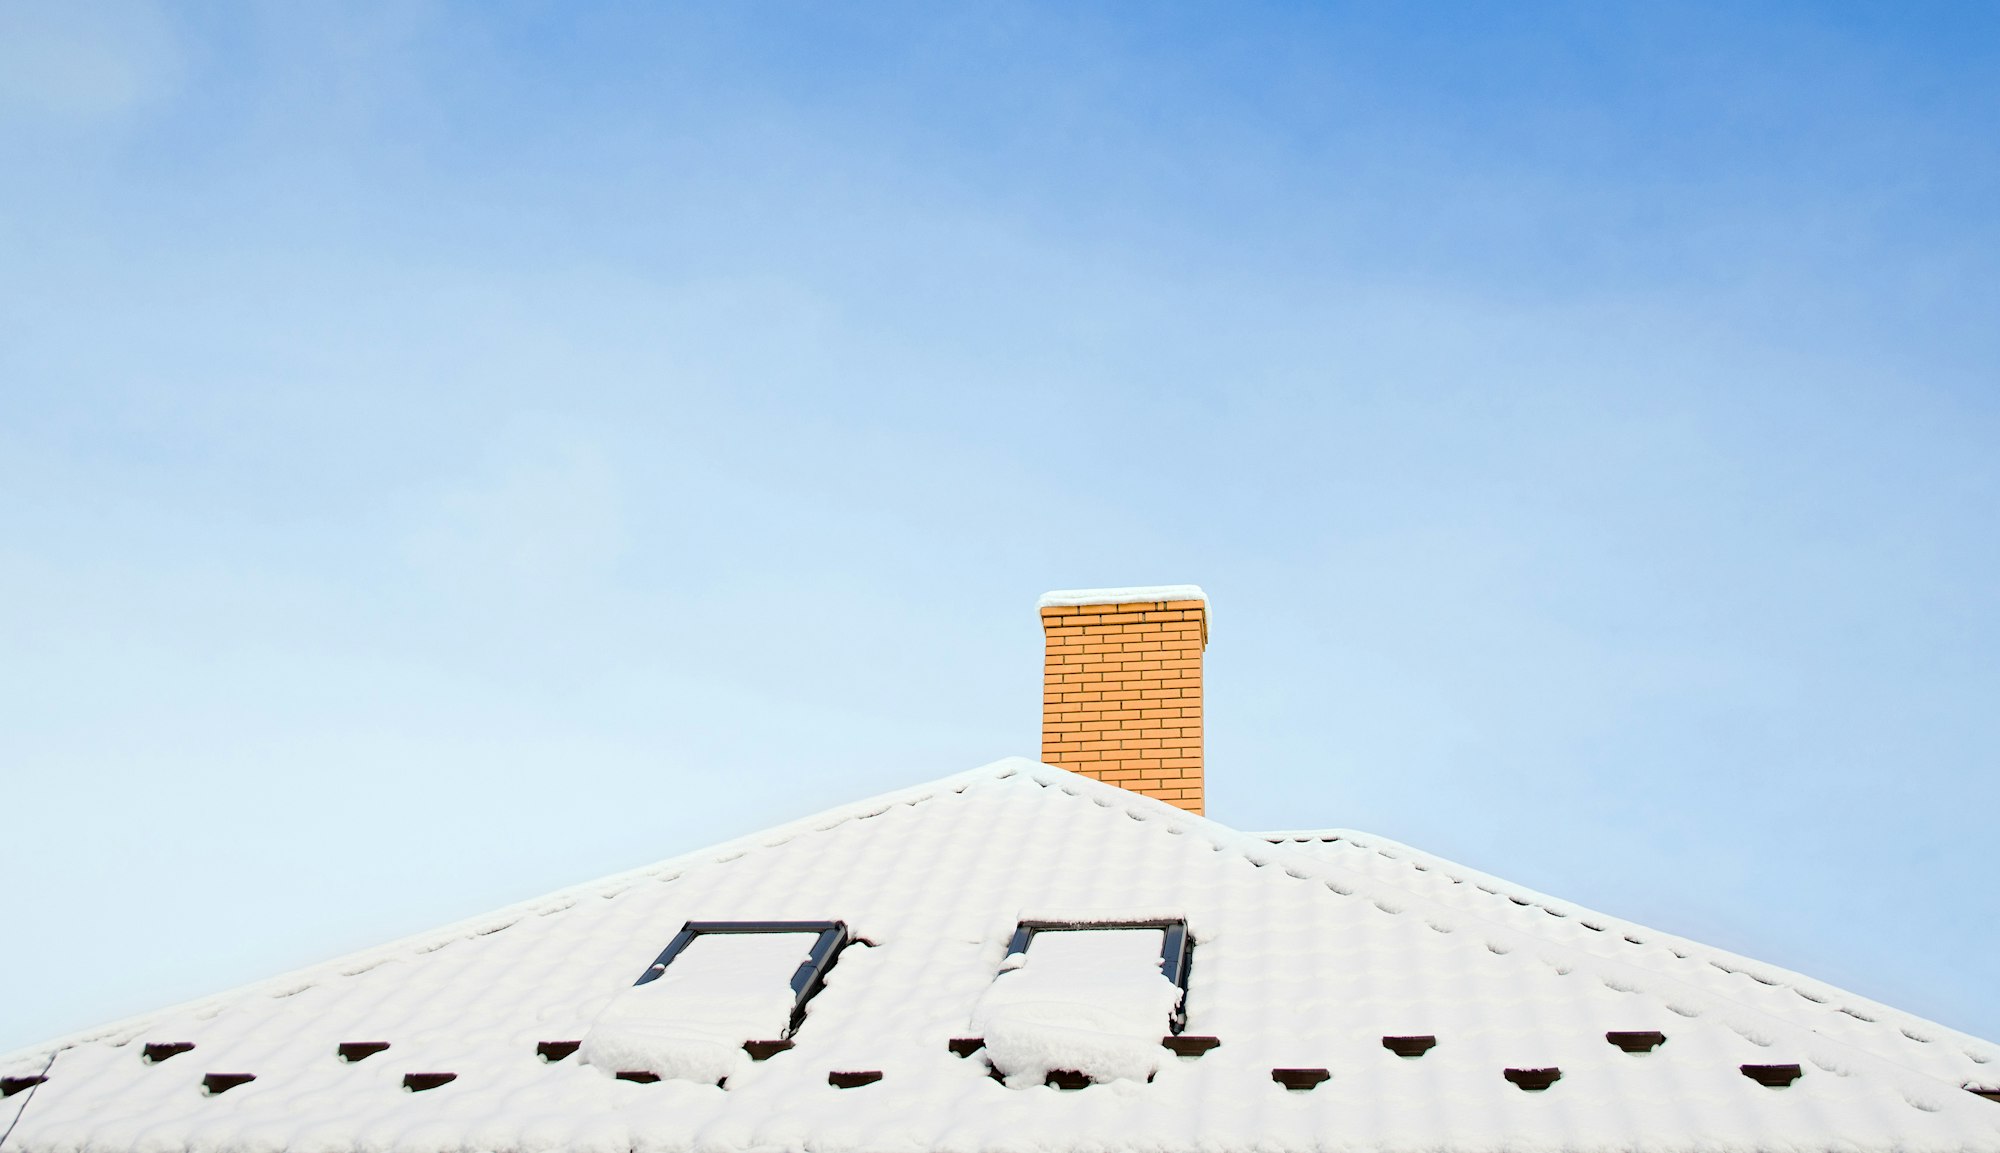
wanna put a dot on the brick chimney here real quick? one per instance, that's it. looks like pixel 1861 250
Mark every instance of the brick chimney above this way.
pixel 1121 687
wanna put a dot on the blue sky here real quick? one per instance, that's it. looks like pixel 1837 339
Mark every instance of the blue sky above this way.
pixel 448 452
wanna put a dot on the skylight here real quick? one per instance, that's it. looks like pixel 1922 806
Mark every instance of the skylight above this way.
pixel 1084 1002
pixel 717 988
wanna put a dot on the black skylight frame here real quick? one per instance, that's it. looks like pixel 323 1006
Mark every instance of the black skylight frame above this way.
pixel 1176 950
pixel 806 981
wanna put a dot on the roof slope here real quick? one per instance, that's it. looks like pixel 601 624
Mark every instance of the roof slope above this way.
pixel 1303 957
pixel 1923 1045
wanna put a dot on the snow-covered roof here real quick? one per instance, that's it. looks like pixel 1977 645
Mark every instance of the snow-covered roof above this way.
pixel 1125 596
pixel 1323 951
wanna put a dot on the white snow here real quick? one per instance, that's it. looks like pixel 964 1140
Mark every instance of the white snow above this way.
pixel 691 1022
pixel 1123 596
pixel 1302 958
pixel 1091 1001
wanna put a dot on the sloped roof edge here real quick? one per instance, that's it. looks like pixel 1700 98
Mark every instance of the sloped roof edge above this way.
pixel 484 923
pixel 1652 944
pixel 1673 992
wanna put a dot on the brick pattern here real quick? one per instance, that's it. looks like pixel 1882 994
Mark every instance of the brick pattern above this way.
pixel 1121 695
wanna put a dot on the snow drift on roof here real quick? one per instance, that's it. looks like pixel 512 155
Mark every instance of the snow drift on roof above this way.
pixel 1088 1001
pixel 724 989
pixel 1302 964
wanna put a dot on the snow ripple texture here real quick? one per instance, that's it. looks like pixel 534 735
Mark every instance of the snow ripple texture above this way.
pixel 1300 958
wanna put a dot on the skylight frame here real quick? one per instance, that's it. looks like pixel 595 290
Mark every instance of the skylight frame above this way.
pixel 833 936
pixel 1176 950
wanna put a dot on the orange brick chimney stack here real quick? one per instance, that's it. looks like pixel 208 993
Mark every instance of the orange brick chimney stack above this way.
pixel 1121 687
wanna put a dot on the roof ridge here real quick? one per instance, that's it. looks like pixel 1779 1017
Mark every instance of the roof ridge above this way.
pixel 480 924
pixel 1678 995
pixel 723 852
pixel 1669 991
pixel 1635 978
pixel 1817 993
pixel 1558 972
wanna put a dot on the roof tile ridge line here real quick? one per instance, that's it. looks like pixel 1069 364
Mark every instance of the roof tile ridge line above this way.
pixel 468 927
pixel 22 1111
pixel 1639 979
pixel 1377 844
pixel 1253 847
pixel 1822 996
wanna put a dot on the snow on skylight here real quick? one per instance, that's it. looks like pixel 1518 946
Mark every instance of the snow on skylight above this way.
pixel 691 1022
pixel 1089 1001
